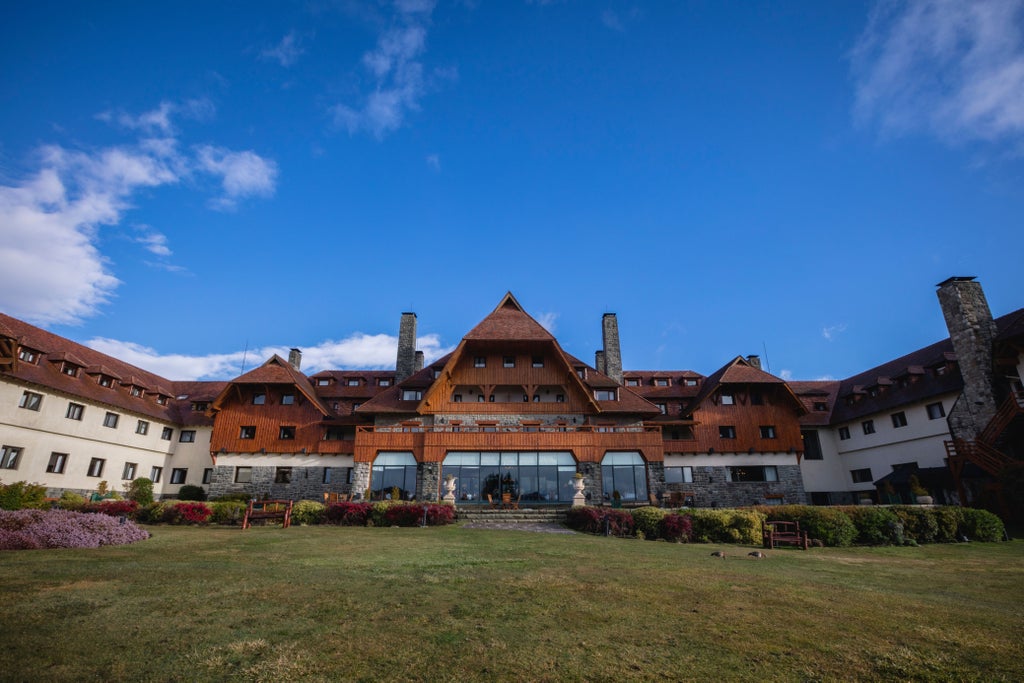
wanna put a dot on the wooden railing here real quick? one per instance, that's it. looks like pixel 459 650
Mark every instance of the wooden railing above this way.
pixel 981 454
pixel 1011 408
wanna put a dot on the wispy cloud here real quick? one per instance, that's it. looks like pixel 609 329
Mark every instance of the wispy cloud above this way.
pixel 548 321
pixel 287 52
pixel 153 241
pixel 358 351
pixel 951 68
pixel 786 375
pixel 397 71
pixel 52 219
pixel 160 120
pixel 832 331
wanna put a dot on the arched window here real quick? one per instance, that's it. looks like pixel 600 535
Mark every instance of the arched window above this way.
pixel 393 471
pixel 626 473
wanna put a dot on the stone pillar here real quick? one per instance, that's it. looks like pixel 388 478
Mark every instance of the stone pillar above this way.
pixel 612 353
pixel 599 363
pixel 360 480
pixel 405 363
pixel 295 358
pixel 428 481
pixel 972 331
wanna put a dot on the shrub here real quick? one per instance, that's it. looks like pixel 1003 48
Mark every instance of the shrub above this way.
pixel 675 527
pixel 306 512
pixel 829 525
pixel 875 525
pixel 227 511
pixel 585 519
pixel 113 508
pixel 947 521
pixel 191 492
pixel 150 514
pixel 726 526
pixel 413 514
pixel 241 496
pixel 141 491
pixel 348 514
pixel 981 525
pixel 920 524
pixel 25 529
pixel 69 500
pixel 646 520
pixel 20 495
pixel 186 513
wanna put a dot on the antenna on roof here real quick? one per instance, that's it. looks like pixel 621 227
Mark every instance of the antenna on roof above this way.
pixel 244 354
pixel 767 362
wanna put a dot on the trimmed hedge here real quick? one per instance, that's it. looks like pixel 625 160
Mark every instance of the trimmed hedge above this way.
pixel 228 512
pixel 712 525
pixel 308 512
pixel 647 520
pixel 830 525
pixel 595 520
pixel 876 525
pixel 348 514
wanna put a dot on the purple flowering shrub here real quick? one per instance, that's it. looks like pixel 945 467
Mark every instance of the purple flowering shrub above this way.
pixel 29 529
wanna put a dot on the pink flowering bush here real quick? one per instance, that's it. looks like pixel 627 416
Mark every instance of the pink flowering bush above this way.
pixel 31 529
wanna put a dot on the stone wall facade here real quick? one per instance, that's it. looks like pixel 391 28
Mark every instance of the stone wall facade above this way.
pixel 307 483
pixel 711 488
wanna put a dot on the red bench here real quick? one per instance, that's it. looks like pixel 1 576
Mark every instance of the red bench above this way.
pixel 268 509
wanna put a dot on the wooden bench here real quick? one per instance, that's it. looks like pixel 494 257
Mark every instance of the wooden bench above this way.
pixel 268 509
pixel 776 532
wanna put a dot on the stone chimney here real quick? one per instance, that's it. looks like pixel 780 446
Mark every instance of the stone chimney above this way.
pixel 418 365
pixel 612 355
pixel 599 362
pixel 972 330
pixel 295 358
pixel 405 364
pixel 755 361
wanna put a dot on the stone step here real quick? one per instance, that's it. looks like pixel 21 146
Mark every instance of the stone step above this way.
pixel 512 516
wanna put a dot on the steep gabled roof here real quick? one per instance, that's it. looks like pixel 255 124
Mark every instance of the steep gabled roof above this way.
pixel 739 371
pixel 275 370
pixel 509 321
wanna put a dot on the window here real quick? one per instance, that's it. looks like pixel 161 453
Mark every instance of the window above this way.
pixel 727 432
pixel 323 382
pixel 412 395
pixel 247 432
pixel 935 411
pixel 581 373
pixel 187 436
pixel 625 473
pixel 457 398
pixel 96 467
pixel 661 382
pixel 135 391
pixel 334 434
pixel 9 457
pixel 286 433
pixel 129 470
pixel 537 362
pixel 678 475
pixel 812 445
pixel 605 394
pixel 844 433
pixel 352 382
pixel 662 407
pixel 161 400
pixel 820 406
pixel 288 399
pixel 259 399
pixel 283 475
pixel 746 473
pixel 559 398
pixel 632 382
pixel 690 382
pixel 207 474
pixel 899 419
pixel 167 433
pixel 728 400
pixel 868 426
pixel 27 355
pixel 106 381
pixel 508 362
pixel 355 406
pixel 178 475
pixel 243 475
pixel 30 400
pixel 57 463
pixel 75 411
pixel 142 427
pixel 110 420
pixel 384 382
pixel 862 476
pixel 155 473
pixel 479 362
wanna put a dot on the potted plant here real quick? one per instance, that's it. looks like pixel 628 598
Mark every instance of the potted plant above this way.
pixel 919 491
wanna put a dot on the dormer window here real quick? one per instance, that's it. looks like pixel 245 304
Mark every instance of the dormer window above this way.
pixel 663 407
pixel 135 391
pixel 508 361
pixel 728 400
pixel 820 406
pixel 69 369
pixel 537 362
pixel 605 394
pixel 384 382
pixel 581 373
pixel 690 382
pixel 161 400
pixel 479 362
pixel 28 355
pixel 412 395
pixel 940 370
pixel 288 399
pixel 352 382
pixel 323 381
pixel 661 382
pixel 632 382
pixel 201 406
pixel 106 381
pixel 259 399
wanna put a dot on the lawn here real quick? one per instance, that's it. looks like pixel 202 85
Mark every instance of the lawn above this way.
pixel 447 603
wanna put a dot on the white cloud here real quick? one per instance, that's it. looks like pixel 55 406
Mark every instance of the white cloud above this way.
pixel 547 321
pixel 397 72
pixel 159 120
pixel 287 52
pixel 786 375
pixel 153 241
pixel 359 351
pixel 52 219
pixel 948 67
pixel 832 331
pixel 243 174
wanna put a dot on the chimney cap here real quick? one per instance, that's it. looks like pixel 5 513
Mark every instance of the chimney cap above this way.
pixel 961 278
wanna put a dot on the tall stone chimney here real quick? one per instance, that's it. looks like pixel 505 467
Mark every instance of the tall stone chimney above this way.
pixel 418 364
pixel 599 362
pixel 405 364
pixel 971 329
pixel 612 354
pixel 755 361
pixel 295 358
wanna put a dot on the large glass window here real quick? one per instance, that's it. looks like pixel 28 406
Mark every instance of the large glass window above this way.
pixel 534 477
pixel 393 474
pixel 625 473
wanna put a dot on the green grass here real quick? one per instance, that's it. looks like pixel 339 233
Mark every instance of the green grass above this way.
pixel 327 603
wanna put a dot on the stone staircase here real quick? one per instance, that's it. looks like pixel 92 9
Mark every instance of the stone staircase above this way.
pixel 486 516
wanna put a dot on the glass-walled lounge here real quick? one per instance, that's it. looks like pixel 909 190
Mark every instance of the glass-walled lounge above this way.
pixel 530 477
pixel 393 476
pixel 624 473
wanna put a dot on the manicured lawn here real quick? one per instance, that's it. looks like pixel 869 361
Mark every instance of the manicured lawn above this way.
pixel 327 603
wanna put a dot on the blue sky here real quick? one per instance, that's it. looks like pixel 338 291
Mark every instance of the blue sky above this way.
pixel 183 181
